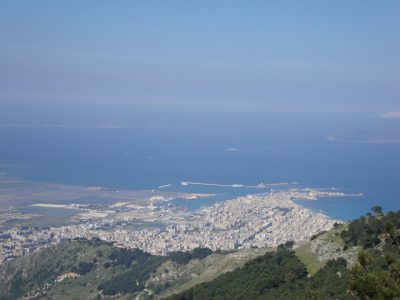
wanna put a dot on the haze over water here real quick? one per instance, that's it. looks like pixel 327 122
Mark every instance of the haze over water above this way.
pixel 148 158
pixel 143 94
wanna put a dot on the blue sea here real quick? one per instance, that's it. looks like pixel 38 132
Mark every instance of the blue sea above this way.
pixel 148 158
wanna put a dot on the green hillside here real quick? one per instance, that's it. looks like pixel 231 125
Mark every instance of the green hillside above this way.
pixel 97 267
pixel 371 273
pixel 108 272
pixel 275 275
pixel 359 260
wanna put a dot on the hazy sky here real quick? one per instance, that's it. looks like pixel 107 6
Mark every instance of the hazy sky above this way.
pixel 121 62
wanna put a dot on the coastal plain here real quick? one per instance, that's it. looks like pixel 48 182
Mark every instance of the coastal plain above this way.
pixel 36 215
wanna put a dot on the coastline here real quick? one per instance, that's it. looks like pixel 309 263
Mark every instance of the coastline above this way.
pixel 158 227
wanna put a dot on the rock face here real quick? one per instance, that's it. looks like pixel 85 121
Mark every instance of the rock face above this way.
pixel 70 275
pixel 330 246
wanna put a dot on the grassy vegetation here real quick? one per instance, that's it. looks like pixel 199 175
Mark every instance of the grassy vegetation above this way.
pixel 31 272
pixel 282 275
pixel 209 268
pixel 316 270
pixel 275 275
pixel 103 270
pixel 309 259
pixel 107 264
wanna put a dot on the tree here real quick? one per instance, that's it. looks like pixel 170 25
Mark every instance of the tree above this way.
pixel 377 210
